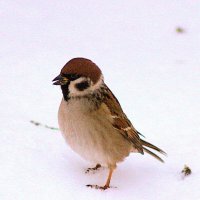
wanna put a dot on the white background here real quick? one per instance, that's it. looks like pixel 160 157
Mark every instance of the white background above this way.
pixel 152 69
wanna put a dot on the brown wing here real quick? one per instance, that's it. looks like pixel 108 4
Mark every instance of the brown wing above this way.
pixel 121 122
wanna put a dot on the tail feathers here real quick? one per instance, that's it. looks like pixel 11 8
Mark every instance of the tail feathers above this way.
pixel 147 144
pixel 153 154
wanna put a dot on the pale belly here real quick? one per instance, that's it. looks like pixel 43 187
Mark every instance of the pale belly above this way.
pixel 91 135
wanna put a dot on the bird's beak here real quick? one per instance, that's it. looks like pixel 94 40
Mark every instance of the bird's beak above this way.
pixel 60 80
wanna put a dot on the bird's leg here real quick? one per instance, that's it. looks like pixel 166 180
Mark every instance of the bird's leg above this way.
pixel 93 169
pixel 107 185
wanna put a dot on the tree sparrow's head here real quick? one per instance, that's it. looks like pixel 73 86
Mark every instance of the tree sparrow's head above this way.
pixel 79 77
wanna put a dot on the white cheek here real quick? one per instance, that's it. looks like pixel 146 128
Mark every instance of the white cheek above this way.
pixel 73 91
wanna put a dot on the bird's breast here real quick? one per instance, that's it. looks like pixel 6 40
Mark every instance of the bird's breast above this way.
pixel 90 133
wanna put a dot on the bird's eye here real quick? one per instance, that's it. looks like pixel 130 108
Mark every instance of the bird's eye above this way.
pixel 73 76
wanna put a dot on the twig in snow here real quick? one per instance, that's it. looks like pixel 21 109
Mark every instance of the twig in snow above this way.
pixel 44 125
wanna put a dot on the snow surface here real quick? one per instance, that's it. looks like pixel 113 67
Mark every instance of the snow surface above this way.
pixel 153 70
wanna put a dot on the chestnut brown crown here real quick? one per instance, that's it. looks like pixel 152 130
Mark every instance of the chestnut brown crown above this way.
pixel 83 67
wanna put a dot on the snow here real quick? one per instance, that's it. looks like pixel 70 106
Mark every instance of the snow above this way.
pixel 152 69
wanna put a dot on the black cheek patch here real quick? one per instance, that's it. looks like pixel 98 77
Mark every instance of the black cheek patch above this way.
pixel 82 86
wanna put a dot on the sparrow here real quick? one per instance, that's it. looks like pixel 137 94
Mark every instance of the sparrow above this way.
pixel 92 121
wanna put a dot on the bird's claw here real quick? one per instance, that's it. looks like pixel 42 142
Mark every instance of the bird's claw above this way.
pixel 94 169
pixel 98 187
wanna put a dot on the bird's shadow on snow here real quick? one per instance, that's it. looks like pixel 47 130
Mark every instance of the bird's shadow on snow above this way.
pixel 134 173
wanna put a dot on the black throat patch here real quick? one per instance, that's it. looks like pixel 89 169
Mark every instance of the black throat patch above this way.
pixel 65 91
